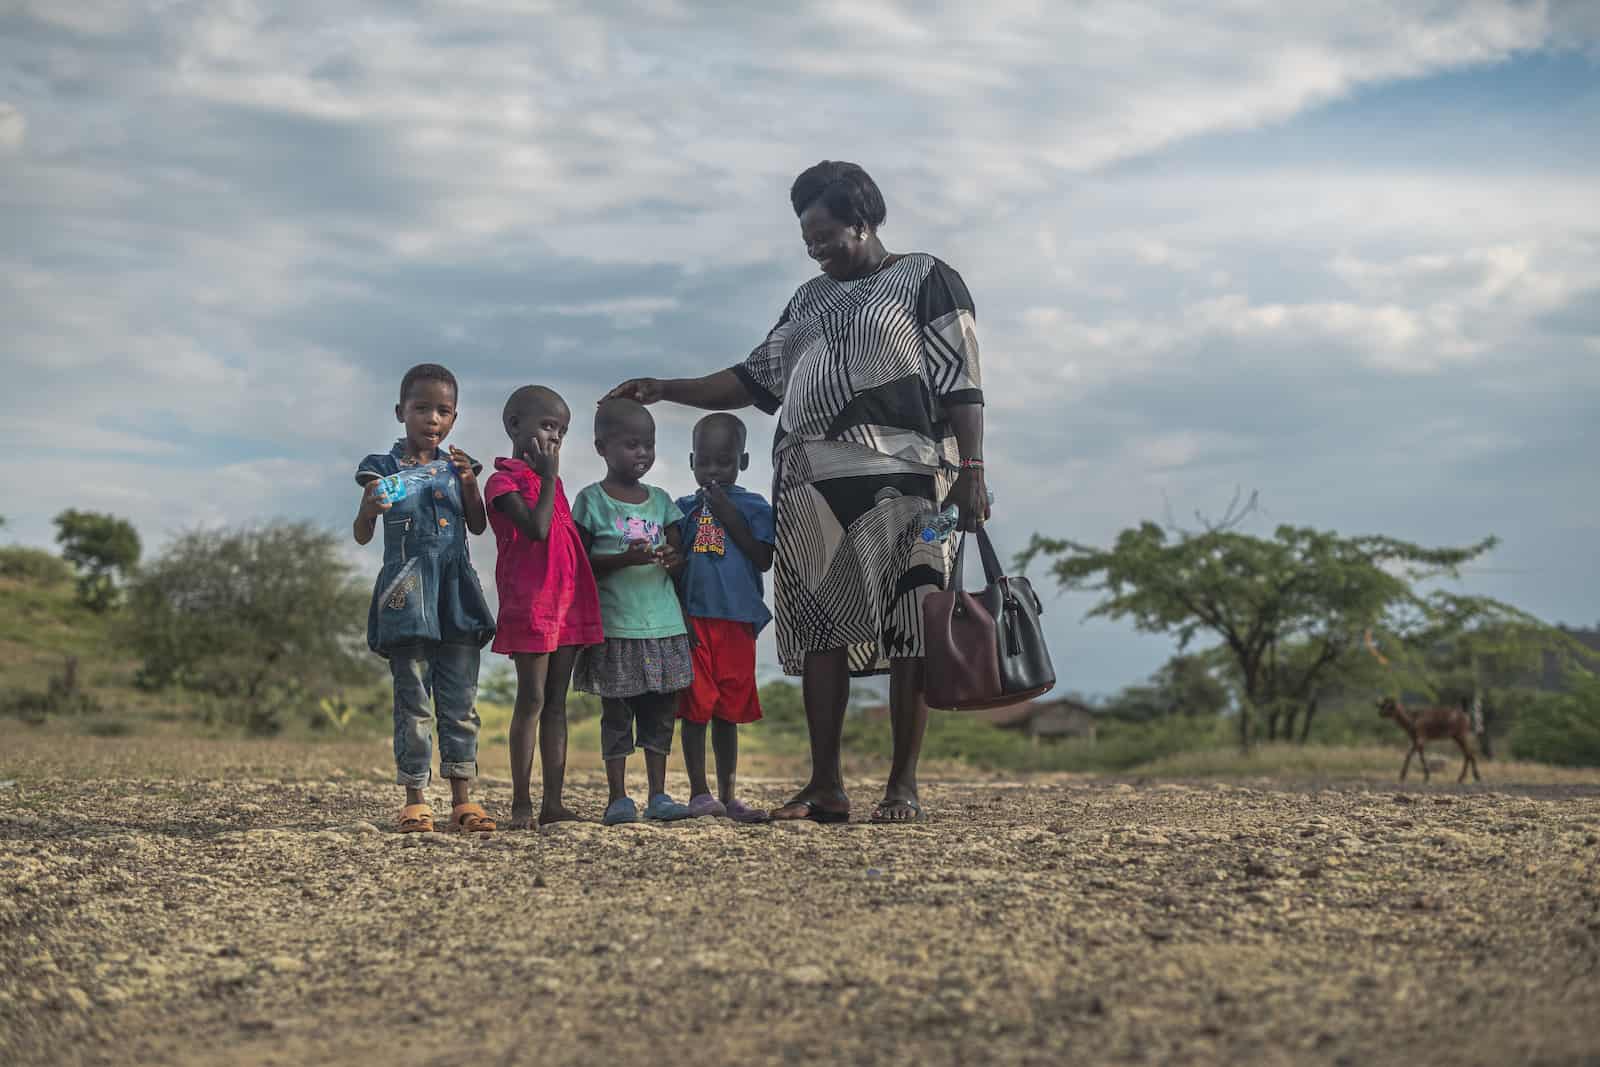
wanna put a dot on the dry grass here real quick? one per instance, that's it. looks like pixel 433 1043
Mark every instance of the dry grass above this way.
pixel 1371 763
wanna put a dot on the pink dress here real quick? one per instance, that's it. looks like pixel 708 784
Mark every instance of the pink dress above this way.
pixel 548 597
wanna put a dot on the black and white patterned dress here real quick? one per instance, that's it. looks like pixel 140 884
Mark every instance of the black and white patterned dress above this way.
pixel 861 373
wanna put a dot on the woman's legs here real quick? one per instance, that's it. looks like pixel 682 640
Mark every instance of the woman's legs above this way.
pixel 908 718
pixel 532 670
pixel 826 689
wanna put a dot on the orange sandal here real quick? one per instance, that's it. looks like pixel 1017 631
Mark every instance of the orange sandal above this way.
pixel 471 818
pixel 416 819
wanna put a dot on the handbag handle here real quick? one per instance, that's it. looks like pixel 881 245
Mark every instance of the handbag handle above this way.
pixel 991 562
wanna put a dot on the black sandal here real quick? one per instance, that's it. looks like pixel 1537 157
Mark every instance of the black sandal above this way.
pixel 881 819
pixel 813 812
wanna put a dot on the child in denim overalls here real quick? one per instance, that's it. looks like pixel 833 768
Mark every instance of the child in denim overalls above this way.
pixel 428 615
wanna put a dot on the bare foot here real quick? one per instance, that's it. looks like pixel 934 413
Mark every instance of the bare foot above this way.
pixel 559 813
pixel 521 816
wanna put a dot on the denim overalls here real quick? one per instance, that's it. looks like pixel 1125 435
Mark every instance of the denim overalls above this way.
pixel 428 618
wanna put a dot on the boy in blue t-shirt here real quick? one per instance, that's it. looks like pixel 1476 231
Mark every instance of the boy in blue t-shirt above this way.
pixel 727 544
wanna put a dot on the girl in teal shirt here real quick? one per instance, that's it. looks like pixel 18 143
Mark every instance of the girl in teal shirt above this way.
pixel 631 533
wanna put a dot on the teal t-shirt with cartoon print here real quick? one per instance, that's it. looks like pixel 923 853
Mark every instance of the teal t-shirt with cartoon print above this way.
pixel 635 602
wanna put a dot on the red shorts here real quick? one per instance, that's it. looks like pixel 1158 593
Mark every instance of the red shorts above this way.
pixel 724 674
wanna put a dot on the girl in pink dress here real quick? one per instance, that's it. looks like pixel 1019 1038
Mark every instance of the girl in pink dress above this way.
pixel 549 606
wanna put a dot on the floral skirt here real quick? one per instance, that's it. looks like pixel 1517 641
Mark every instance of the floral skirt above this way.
pixel 628 666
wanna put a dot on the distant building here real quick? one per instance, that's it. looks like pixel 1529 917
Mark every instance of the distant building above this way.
pixel 1048 719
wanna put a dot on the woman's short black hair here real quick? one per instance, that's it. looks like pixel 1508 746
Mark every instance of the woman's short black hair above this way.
pixel 427 372
pixel 848 191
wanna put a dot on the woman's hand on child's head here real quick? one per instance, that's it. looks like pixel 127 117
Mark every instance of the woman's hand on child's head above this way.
pixel 463 465
pixel 644 390
pixel 373 505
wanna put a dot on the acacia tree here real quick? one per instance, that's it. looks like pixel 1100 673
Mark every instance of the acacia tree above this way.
pixel 1256 595
pixel 104 548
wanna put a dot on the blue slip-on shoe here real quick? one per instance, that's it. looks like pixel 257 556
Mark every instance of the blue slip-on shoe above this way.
pixel 620 810
pixel 663 808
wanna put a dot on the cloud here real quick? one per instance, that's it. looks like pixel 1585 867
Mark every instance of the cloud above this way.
pixel 231 227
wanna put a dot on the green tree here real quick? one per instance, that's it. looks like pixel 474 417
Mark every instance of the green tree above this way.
pixel 1563 727
pixel 104 548
pixel 1500 659
pixel 1257 595
pixel 266 620
pixel 1185 685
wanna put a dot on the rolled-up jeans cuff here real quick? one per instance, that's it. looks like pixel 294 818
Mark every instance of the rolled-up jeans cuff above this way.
pixel 412 781
pixel 469 771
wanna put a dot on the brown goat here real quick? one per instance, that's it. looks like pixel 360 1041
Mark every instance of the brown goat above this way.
pixel 1431 724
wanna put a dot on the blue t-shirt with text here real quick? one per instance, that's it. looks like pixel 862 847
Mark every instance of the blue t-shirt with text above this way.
pixel 719 581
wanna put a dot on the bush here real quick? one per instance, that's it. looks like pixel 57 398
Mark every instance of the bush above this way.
pixel 1561 728
pixel 1120 746
pixel 263 623
pixel 63 696
pixel 34 565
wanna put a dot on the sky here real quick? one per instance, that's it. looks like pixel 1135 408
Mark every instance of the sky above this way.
pixel 1345 255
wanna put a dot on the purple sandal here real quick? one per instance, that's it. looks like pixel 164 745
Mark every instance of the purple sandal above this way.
pixel 702 805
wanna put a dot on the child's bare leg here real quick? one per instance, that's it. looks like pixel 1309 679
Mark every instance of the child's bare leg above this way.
pixel 616 779
pixel 655 769
pixel 553 736
pixel 415 796
pixel 725 743
pixel 532 668
pixel 694 756
pixel 460 791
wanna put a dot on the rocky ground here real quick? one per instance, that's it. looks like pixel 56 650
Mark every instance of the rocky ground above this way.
pixel 253 920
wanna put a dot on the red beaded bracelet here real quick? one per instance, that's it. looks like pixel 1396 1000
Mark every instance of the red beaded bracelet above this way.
pixel 972 463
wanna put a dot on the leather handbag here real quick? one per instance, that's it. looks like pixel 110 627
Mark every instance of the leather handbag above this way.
pixel 985 649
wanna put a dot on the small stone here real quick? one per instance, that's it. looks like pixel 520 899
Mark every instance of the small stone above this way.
pixel 285 964
pixel 73 997
pixel 358 827
pixel 806 974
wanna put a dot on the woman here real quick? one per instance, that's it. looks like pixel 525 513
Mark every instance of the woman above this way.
pixel 873 371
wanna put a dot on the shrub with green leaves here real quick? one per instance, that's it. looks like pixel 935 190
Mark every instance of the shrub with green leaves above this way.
pixel 1561 728
pixel 264 622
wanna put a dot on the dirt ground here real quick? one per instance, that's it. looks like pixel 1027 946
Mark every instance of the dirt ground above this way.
pixel 258 911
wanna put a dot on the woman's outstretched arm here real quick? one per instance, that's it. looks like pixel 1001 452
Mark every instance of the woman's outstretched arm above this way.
pixel 720 391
